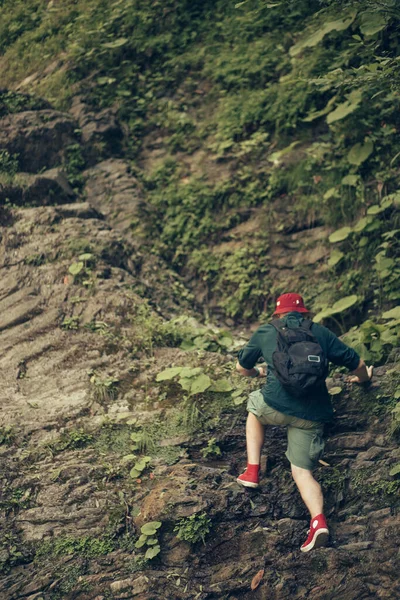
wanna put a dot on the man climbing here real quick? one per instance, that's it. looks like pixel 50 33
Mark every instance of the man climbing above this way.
pixel 295 397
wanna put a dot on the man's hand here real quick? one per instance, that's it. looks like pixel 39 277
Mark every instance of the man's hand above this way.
pixel 251 372
pixel 362 374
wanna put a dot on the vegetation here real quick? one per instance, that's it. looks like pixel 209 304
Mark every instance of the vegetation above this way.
pixel 194 528
pixel 149 538
pixel 84 546
pixel 291 100
pixel 212 449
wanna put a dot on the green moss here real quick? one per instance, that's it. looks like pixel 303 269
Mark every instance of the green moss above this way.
pixel 333 480
pixel 14 499
pixel 74 439
pixel 382 489
pixel 86 547
pixel 8 163
pixel 74 164
pixel 7 435
pixel 114 438
pixel 79 245
pixel 14 102
pixel 13 551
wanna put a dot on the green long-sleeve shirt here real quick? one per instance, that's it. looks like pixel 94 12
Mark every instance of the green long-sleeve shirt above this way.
pixel 315 407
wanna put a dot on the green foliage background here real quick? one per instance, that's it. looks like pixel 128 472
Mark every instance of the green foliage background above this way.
pixel 294 102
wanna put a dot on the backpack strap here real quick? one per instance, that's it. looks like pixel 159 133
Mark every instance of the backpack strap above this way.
pixel 306 324
pixel 277 324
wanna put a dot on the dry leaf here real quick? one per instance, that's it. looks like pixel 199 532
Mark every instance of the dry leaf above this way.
pixel 255 582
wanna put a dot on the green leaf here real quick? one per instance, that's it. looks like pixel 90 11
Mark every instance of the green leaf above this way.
pixel 152 541
pixel 187 345
pixel 86 257
pixel 128 458
pixel 190 372
pixel 351 180
pixel 168 374
pixel 141 464
pixel 152 552
pixel 239 400
pixel 388 201
pixel 393 313
pixel 150 528
pixel 360 152
pixel 225 341
pixel 340 234
pixel 185 383
pixel 345 108
pixel 238 392
pixel 316 37
pixel 276 157
pixel 200 384
pixel 344 304
pixel 320 113
pixel 134 473
pixel 372 23
pixel 323 314
pixel 361 224
pixel 375 209
pixel 141 541
pixel 335 258
pixel 335 391
pixel 383 264
pixel 106 80
pixel 395 470
pixel 221 385
pixel 76 268
pixel 116 43
pixel 331 193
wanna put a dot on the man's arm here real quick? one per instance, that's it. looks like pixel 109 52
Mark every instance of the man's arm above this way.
pixel 362 374
pixel 254 372
pixel 341 354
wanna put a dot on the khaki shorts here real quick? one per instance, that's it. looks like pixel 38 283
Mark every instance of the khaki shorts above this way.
pixel 305 438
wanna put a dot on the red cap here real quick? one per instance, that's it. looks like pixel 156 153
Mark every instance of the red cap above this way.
pixel 288 303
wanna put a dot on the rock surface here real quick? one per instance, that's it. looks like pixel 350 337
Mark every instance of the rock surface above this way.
pixel 38 138
pixel 47 188
pixel 101 132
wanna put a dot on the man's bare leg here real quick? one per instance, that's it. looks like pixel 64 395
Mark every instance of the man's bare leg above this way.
pixel 254 439
pixel 309 489
pixel 311 493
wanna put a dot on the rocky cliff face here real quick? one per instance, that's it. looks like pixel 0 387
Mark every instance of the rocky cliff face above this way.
pixel 93 446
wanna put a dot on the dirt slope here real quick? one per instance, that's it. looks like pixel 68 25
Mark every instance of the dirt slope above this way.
pixel 78 361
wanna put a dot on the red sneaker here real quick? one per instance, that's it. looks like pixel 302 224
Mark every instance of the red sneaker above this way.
pixel 318 534
pixel 249 479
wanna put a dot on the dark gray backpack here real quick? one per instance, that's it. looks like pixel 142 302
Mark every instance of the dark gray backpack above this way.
pixel 299 362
